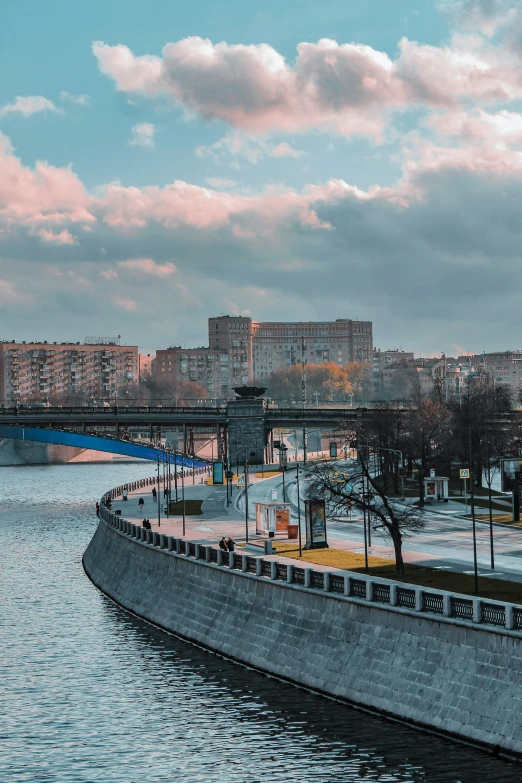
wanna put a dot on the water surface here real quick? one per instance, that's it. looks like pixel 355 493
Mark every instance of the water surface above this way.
pixel 90 694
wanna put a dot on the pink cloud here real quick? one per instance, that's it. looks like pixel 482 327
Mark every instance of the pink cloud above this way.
pixel 125 304
pixel 43 194
pixel 284 150
pixel 346 88
pixel 64 237
pixel 148 267
pixel 109 274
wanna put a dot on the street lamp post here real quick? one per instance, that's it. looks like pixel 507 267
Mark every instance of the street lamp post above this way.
pixel 183 489
pixel 299 513
pixel 246 500
pixel 472 492
pixel 491 548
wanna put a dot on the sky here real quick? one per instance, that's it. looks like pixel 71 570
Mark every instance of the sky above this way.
pixel 165 162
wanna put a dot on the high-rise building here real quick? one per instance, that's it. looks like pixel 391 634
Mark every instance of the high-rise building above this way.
pixel 205 366
pixel 242 350
pixel 256 349
pixel 41 371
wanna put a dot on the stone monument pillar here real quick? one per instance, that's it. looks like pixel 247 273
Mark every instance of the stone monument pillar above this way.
pixel 246 427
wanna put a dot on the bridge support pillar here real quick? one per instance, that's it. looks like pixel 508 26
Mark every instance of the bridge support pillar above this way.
pixel 246 431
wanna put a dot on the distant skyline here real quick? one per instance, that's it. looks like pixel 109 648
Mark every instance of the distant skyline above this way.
pixel 290 161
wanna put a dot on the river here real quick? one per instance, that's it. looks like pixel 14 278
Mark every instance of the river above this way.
pixel 90 694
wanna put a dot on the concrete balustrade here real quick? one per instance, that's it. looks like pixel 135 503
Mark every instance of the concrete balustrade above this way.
pixel 438 605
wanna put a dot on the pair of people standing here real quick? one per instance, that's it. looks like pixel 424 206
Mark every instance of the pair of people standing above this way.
pixel 227 544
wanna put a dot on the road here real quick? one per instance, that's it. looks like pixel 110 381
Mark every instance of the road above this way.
pixel 445 542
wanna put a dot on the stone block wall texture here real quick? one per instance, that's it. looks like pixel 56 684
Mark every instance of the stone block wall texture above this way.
pixel 246 431
pixel 466 681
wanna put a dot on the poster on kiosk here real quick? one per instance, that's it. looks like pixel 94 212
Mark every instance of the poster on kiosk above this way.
pixel 315 515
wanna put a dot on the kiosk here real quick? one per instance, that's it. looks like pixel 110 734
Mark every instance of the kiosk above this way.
pixel 273 519
pixel 436 487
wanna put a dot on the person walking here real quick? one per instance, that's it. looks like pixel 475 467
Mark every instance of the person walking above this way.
pixel 230 544
pixel 154 494
pixel 223 544
pixel 125 493
pixel 141 503
pixel 97 509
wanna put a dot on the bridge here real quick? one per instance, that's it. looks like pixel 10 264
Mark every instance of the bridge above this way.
pixel 242 426
pixel 144 417
pixel 99 443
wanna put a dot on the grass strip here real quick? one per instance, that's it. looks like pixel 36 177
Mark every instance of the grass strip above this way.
pixel 421 576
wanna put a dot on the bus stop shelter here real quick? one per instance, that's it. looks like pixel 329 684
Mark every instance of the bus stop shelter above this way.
pixel 273 519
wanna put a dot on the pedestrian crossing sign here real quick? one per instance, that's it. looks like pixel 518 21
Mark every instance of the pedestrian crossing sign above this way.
pixel 464 473
pixel 241 481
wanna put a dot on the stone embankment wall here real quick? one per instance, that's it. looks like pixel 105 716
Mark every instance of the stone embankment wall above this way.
pixel 328 631
pixel 25 452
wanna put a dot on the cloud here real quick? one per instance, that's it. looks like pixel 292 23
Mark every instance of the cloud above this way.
pixel 63 237
pixel 29 105
pixel 10 296
pixel 486 15
pixel 443 243
pixel 45 194
pixel 148 268
pixel 82 100
pixel 109 274
pixel 125 304
pixel 235 147
pixel 345 88
pixel 142 135
pixel 284 150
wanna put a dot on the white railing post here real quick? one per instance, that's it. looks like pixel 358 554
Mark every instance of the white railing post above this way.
pixel 259 566
pixel 418 599
pixel 509 616
pixel 307 577
pixel 326 581
pixel 273 570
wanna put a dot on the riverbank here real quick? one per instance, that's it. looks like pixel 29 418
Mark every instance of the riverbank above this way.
pixel 433 660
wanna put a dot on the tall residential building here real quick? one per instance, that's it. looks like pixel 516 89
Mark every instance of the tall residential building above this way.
pixel 205 366
pixel 505 368
pixel 256 349
pixel 42 371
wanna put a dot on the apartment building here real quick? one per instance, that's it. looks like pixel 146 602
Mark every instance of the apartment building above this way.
pixel 206 366
pixel 505 368
pixel 256 349
pixel 385 365
pixel 42 371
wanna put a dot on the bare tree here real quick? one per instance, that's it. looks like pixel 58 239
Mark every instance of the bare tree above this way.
pixel 358 484
pixel 483 425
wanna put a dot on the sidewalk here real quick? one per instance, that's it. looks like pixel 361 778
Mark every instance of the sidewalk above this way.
pixel 217 521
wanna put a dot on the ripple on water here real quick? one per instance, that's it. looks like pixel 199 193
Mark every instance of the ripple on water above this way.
pixel 91 694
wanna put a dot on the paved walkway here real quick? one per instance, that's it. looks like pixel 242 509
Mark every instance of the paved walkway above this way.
pixel 444 543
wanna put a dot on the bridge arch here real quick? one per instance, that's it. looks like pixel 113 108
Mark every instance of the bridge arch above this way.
pixel 98 443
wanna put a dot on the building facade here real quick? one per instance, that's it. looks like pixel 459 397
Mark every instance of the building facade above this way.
pixel 256 349
pixel 41 372
pixel 205 366
pixel 505 368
